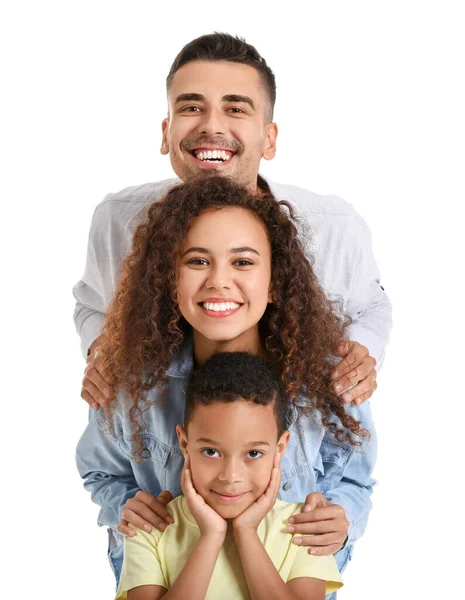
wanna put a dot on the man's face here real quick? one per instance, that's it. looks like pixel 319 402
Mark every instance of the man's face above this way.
pixel 217 122
pixel 231 447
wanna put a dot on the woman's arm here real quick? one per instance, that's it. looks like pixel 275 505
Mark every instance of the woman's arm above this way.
pixel 264 581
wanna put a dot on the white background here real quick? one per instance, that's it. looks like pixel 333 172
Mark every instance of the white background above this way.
pixel 370 107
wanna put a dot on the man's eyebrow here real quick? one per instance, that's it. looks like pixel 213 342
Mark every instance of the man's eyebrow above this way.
pixel 239 98
pixel 232 251
pixel 190 96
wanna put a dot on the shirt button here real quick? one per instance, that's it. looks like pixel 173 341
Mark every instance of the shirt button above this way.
pixel 287 486
pixel 145 453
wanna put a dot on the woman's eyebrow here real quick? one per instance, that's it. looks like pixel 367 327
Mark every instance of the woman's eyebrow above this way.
pixel 232 251
pixel 196 249
pixel 244 249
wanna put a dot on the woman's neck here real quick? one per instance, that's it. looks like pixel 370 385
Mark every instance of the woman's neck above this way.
pixel 247 342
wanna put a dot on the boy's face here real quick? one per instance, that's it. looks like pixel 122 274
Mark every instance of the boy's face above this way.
pixel 231 446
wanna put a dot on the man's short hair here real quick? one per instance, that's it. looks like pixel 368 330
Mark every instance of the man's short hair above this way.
pixel 233 376
pixel 223 46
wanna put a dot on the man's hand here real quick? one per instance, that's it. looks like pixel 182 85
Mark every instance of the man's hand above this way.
pixel 251 518
pixel 95 389
pixel 357 369
pixel 210 523
pixel 324 526
pixel 145 510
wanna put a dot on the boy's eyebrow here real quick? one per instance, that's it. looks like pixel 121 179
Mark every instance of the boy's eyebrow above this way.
pixel 232 251
pixel 215 443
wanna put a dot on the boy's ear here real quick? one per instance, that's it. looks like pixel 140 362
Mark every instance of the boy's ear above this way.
pixel 283 442
pixel 182 437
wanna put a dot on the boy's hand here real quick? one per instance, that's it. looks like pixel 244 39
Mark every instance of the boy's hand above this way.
pixel 356 369
pixel 324 525
pixel 252 516
pixel 145 510
pixel 208 520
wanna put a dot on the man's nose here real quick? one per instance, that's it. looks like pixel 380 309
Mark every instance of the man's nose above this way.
pixel 212 122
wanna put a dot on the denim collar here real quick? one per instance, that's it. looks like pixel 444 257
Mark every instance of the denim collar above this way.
pixel 182 361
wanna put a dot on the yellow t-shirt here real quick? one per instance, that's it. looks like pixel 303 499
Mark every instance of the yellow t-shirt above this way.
pixel 157 558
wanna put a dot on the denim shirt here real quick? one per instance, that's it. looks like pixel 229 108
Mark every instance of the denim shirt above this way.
pixel 314 460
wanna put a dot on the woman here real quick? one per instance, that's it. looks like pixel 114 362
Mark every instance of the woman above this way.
pixel 215 269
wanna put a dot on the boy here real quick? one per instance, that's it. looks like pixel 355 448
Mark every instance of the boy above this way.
pixel 228 539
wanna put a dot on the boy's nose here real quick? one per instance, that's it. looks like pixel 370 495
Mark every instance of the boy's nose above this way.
pixel 232 472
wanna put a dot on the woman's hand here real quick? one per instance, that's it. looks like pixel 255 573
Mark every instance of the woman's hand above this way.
pixel 252 516
pixel 208 520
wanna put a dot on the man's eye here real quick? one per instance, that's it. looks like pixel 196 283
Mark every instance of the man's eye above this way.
pixel 190 109
pixel 236 110
pixel 210 452
pixel 254 454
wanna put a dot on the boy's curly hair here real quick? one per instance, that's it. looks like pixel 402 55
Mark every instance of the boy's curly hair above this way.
pixel 144 327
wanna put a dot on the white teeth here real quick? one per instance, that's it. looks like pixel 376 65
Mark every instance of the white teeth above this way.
pixel 220 306
pixel 213 155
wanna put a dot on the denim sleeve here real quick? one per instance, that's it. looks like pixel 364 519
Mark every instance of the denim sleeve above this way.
pixel 347 478
pixel 107 471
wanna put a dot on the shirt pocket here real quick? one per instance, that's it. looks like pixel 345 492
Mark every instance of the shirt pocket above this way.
pixel 332 460
pixel 148 462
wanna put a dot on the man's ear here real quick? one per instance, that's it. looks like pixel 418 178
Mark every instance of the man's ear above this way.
pixel 283 442
pixel 165 149
pixel 182 437
pixel 269 145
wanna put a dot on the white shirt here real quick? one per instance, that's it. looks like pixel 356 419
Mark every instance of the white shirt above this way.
pixel 339 240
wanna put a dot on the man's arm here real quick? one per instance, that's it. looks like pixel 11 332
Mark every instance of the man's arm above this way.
pixel 368 303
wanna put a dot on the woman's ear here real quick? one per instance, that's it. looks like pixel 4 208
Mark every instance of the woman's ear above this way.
pixel 182 437
pixel 283 442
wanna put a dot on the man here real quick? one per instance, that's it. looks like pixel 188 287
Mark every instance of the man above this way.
pixel 221 95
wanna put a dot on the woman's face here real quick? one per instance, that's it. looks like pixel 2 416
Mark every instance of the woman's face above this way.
pixel 224 278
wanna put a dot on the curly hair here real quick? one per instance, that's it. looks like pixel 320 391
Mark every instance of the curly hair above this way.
pixel 301 328
pixel 232 376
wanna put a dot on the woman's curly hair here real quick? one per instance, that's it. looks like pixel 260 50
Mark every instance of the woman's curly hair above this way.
pixel 144 327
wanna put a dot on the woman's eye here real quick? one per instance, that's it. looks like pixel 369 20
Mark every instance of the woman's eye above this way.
pixel 198 261
pixel 243 262
pixel 210 452
pixel 254 454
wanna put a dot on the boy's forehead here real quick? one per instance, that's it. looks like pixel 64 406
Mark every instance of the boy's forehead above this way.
pixel 234 424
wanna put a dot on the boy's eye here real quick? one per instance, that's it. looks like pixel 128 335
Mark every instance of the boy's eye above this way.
pixel 210 452
pixel 253 454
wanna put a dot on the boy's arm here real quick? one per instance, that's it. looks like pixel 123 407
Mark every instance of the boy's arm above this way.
pixel 192 582
pixel 264 581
